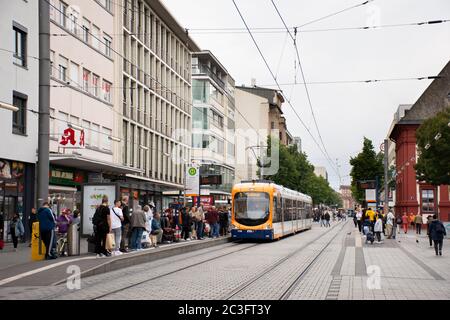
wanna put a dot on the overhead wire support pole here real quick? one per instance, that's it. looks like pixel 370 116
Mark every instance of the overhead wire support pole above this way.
pixel 44 102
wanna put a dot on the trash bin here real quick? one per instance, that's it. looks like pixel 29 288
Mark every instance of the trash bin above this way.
pixel 73 240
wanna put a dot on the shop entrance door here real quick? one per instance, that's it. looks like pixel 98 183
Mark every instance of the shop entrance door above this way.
pixel 9 208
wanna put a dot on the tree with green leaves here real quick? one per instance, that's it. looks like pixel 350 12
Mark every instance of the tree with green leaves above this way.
pixel 367 165
pixel 297 173
pixel 433 142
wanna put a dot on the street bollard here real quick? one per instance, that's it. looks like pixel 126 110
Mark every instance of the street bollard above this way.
pixel 73 243
pixel 37 245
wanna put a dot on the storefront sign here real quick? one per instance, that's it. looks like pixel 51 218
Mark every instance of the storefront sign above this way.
pixel 92 198
pixel 72 138
pixel 215 179
pixel 192 180
pixel 66 177
pixel 206 201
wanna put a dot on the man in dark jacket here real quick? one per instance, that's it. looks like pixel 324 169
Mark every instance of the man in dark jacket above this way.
pixel 47 223
pixel 126 229
pixel 102 226
pixel 437 232
pixel 212 216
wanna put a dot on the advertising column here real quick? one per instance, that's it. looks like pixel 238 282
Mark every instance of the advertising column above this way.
pixel 92 198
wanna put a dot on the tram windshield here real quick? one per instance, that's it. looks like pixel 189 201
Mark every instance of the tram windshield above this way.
pixel 251 208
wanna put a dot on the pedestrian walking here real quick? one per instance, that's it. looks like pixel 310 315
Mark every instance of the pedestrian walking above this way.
pixel 371 214
pixel 437 231
pixel 16 230
pixel 390 224
pixel 411 220
pixel 378 227
pixel 327 219
pixel 102 226
pixel 405 222
pixel 355 221
pixel 429 220
pixel 47 224
pixel 137 223
pixel 322 219
pixel 116 225
pixel 359 220
pixel 418 220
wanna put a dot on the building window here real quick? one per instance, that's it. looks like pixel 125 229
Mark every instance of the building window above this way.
pixel 62 14
pixel 107 91
pixel 106 145
pixel 74 21
pixel 86 76
pixel 20 46
pixel 95 85
pixel 86 28
pixel 428 201
pixel 95 130
pixel 63 68
pixel 272 125
pixel 87 132
pixel 106 4
pixel 96 37
pixel 20 116
pixel 108 43
pixel 74 79
pixel 52 63
pixel 217 119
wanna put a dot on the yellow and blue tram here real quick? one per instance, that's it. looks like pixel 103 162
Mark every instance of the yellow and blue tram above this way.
pixel 264 210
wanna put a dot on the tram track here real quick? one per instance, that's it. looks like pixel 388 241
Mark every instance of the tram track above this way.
pixel 286 294
pixel 177 270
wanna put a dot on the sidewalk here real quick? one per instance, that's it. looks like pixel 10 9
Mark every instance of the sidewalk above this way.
pixel 17 269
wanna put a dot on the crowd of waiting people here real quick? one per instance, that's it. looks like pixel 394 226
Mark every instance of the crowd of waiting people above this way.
pixel 145 227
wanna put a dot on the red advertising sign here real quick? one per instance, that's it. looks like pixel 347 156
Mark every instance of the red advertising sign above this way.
pixel 72 138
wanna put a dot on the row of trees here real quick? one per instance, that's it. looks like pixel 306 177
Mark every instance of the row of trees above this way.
pixel 297 173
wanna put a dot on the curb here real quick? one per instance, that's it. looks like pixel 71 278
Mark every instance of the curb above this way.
pixel 144 257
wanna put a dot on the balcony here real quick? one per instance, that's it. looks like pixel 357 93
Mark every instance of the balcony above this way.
pixel 202 69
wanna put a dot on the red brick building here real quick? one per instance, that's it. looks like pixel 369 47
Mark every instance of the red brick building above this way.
pixel 411 195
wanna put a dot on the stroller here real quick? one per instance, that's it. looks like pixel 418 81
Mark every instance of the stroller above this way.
pixel 369 235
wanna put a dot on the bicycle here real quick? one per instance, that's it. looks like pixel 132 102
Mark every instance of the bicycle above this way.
pixel 61 244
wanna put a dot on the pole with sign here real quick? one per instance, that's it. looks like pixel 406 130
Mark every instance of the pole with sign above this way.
pixel 192 181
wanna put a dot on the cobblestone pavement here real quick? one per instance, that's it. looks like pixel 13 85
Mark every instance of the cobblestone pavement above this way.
pixel 321 263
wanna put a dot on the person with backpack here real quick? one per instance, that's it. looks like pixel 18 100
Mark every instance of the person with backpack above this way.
pixel 138 220
pixel 102 226
pixel 437 232
pixel 116 225
pixel 47 224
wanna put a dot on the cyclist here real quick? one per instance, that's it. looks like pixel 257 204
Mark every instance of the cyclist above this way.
pixel 63 222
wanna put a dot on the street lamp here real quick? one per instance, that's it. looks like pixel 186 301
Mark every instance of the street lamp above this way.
pixel 7 106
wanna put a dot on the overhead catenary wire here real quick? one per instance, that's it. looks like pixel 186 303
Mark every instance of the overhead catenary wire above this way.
pixel 273 76
pixel 294 39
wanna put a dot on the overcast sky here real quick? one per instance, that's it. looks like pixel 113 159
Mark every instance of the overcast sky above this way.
pixel 345 112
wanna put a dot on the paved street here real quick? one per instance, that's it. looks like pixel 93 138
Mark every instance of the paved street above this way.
pixel 322 263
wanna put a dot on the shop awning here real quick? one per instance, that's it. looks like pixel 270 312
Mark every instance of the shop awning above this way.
pixel 88 164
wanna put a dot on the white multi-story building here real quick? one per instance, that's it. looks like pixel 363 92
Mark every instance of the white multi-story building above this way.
pixel 213 123
pixel 321 172
pixel 19 85
pixel 83 55
pixel 153 98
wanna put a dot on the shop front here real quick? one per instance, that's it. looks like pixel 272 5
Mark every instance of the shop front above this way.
pixel 16 194
pixel 65 188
